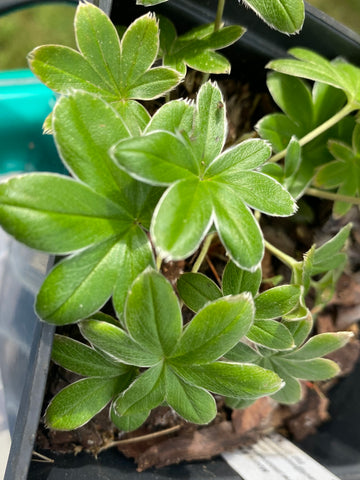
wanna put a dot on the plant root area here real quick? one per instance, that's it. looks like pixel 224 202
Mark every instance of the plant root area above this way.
pixel 165 438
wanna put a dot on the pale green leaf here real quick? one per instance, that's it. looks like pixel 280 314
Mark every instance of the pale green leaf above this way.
pixel 174 116
pixel 325 255
pixel 137 117
pixel 320 345
pixel 153 83
pixel 313 369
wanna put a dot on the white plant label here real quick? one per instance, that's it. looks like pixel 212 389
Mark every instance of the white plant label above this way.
pixel 276 458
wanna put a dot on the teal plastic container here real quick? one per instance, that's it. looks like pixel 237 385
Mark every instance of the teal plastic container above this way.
pixel 24 105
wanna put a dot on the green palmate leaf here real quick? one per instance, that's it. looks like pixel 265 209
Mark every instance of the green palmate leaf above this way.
pixel 144 394
pixel 196 290
pixel 79 358
pixel 342 173
pixel 329 255
pixel 308 64
pixel 236 280
pixel 271 334
pixel 214 330
pixel 194 404
pixel 115 70
pixel 178 236
pixel 78 403
pixel 127 422
pixel 287 16
pixel 242 353
pixel 199 194
pixel 30 210
pixel 232 379
pixel 113 341
pixel 277 301
pixel 320 345
pixel 196 47
pixel 313 369
pixel 152 314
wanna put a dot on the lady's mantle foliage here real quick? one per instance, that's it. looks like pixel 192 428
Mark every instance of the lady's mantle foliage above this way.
pixel 182 149
pixel 182 363
pixel 95 216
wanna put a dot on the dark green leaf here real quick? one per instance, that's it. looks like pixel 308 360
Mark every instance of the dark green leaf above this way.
pixel 196 290
pixel 271 334
pixel 236 280
pixel 277 301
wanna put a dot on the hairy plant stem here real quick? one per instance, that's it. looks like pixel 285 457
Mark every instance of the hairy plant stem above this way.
pixel 203 252
pixel 314 192
pixel 318 130
pixel 283 257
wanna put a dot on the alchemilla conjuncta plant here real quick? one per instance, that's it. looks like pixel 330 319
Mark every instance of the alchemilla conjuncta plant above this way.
pixel 143 190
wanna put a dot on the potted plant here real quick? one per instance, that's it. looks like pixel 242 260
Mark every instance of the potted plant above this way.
pixel 150 191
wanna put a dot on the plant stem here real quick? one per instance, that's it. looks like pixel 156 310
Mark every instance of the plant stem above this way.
pixel 318 130
pixel 203 252
pixel 219 15
pixel 283 257
pixel 314 192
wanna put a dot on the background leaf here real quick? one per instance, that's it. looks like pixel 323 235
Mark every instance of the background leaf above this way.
pixel 196 290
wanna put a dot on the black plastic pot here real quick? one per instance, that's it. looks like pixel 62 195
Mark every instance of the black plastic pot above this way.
pixel 337 445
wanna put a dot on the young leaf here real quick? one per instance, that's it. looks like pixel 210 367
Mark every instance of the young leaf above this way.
pixel 214 330
pixel 287 16
pixel 196 290
pixel 79 402
pixel 321 345
pixel 313 369
pixel 152 313
pixel 196 48
pixel 80 358
pixel 330 254
pixel 105 65
pixel 310 65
